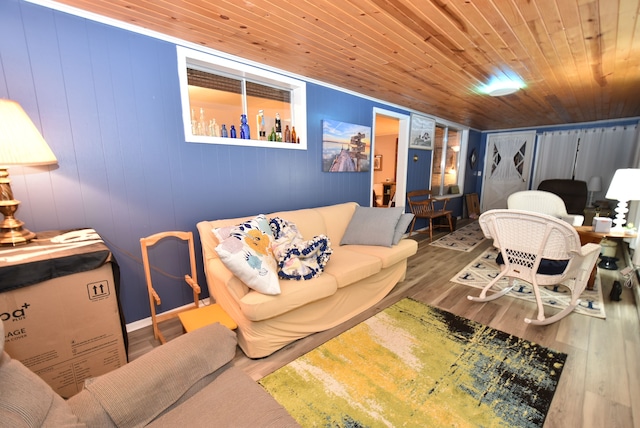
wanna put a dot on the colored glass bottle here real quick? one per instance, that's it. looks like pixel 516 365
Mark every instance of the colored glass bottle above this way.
pixel 272 136
pixel 245 132
pixel 214 128
pixel 278 128
pixel 262 132
pixel 287 134
pixel 232 131
pixel 294 136
pixel 223 131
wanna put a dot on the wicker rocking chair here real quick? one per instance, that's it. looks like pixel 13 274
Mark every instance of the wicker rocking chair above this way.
pixel 541 250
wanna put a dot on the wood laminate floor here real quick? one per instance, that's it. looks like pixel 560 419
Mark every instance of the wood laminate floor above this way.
pixel 599 387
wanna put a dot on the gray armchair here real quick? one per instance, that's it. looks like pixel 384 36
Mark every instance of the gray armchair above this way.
pixel 187 382
pixel 574 193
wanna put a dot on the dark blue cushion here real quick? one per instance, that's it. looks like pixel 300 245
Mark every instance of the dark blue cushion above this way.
pixel 547 266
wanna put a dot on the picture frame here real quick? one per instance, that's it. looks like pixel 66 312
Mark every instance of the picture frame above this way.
pixel 377 162
pixel 422 132
pixel 346 147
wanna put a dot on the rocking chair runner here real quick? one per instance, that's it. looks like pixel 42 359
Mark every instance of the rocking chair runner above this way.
pixel 422 205
pixel 536 248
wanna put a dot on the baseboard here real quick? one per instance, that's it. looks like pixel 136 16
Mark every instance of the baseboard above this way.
pixel 146 322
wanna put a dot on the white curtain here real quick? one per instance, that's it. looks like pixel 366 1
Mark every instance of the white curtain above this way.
pixel 586 153
pixel 508 147
pixel 555 155
pixel 601 151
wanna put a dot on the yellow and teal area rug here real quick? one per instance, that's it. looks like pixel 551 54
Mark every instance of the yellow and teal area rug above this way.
pixel 413 365
pixel 464 239
pixel 484 268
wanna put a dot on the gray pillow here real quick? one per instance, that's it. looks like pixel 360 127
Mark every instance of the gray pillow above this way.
pixel 372 226
pixel 401 227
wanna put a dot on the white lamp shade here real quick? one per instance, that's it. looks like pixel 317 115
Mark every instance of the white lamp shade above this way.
pixel 595 184
pixel 20 141
pixel 625 185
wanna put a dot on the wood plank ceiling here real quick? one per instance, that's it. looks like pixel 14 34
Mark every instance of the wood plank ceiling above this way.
pixel 579 59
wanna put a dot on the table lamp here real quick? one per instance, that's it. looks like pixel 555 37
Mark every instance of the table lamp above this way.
pixel 594 185
pixel 20 144
pixel 623 188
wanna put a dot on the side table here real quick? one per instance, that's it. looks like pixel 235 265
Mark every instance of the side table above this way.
pixel 587 235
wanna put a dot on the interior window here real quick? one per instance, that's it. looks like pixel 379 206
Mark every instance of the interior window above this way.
pixel 446 177
pixel 217 92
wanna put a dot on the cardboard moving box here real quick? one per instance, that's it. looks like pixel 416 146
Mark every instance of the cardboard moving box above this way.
pixel 65 329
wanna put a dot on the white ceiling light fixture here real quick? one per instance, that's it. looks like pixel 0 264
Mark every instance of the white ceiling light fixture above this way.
pixel 502 87
pixel 503 82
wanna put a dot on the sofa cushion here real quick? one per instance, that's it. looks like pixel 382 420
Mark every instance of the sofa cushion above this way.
pixel 294 294
pixel 308 221
pixel 233 399
pixel 27 401
pixel 372 226
pixel 336 219
pixel 348 266
pixel 401 227
pixel 139 391
pixel 247 253
pixel 388 256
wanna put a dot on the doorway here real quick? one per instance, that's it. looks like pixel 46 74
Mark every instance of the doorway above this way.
pixel 390 145
pixel 507 167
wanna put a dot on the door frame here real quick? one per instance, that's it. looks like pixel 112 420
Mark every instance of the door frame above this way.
pixel 404 127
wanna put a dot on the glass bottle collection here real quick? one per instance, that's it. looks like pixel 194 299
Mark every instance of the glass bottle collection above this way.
pixel 211 128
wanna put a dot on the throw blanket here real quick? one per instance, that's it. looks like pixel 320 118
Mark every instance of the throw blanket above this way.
pixel 297 258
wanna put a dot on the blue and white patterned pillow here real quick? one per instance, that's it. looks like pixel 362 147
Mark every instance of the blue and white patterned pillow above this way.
pixel 298 259
pixel 247 253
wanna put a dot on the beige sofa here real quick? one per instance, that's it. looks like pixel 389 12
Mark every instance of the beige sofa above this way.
pixel 355 278
pixel 187 382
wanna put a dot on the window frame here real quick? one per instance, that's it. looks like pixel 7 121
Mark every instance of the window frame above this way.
pixel 229 68
pixel 439 188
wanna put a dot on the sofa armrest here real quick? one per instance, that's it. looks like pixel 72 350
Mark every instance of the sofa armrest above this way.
pixel 136 393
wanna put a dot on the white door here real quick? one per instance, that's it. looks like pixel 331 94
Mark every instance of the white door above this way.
pixel 507 167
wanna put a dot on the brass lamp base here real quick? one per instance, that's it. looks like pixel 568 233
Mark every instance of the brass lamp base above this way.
pixel 13 237
pixel 12 231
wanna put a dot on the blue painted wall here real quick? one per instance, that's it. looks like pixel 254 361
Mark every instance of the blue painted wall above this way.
pixel 107 101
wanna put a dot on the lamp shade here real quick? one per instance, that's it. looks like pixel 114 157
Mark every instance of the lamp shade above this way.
pixel 625 185
pixel 595 184
pixel 20 141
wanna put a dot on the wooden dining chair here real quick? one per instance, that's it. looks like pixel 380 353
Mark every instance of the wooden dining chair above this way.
pixel 423 205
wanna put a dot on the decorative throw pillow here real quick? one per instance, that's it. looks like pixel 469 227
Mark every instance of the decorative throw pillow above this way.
pixel 298 259
pixel 247 253
pixel 401 227
pixel 372 226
